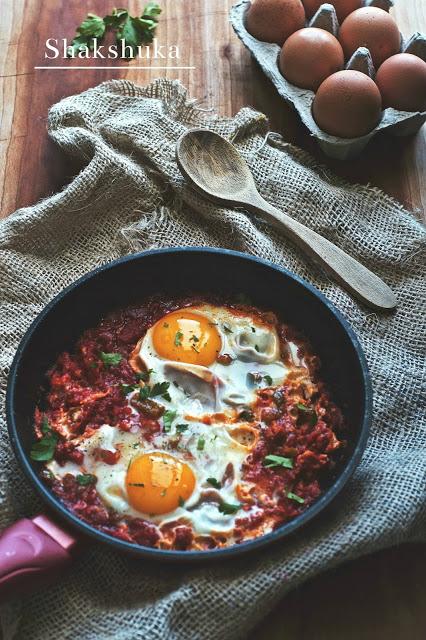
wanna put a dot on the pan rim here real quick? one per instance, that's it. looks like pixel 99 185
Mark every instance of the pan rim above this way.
pixel 213 554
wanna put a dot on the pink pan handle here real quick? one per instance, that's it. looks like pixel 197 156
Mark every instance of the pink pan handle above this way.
pixel 33 553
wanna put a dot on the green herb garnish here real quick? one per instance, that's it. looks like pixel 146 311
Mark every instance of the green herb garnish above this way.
pixel 311 413
pixel 180 428
pixel 134 31
pixel 268 380
pixel 214 483
pixel 178 338
pixel 181 501
pixel 110 359
pixel 277 461
pixel 144 375
pixel 84 479
pixel 168 418
pixel 228 508
pixel 128 388
pixel 293 496
pixel 43 450
pixel 200 444
pixel 159 389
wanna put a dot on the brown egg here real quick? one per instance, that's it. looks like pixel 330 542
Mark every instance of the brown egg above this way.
pixel 372 28
pixel 309 56
pixel 402 82
pixel 275 20
pixel 347 104
pixel 343 7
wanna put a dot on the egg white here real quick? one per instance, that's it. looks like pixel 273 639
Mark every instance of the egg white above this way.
pixel 194 392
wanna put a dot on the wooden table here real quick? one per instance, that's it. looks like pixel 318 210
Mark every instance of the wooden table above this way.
pixel 380 597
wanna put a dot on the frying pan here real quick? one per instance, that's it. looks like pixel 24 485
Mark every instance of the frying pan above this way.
pixel 34 551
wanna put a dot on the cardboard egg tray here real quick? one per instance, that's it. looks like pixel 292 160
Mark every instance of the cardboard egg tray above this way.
pixel 398 123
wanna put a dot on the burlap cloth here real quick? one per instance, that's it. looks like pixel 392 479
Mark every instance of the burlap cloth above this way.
pixel 130 197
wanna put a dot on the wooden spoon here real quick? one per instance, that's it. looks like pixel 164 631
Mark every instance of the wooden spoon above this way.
pixel 217 170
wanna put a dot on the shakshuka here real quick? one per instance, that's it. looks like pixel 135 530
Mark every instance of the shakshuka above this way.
pixel 187 424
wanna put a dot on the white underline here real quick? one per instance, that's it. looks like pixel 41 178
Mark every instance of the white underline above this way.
pixel 115 68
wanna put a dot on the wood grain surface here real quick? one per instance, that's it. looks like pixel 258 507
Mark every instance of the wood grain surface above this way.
pixel 381 597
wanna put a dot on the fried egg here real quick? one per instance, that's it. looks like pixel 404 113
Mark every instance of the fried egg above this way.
pixel 192 479
pixel 206 364
pixel 215 358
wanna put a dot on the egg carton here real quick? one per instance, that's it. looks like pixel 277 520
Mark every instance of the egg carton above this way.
pixel 398 123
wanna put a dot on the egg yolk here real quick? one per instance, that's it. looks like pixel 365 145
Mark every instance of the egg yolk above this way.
pixel 184 336
pixel 158 483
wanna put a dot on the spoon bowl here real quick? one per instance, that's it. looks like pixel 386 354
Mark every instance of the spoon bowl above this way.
pixel 215 169
pixel 213 165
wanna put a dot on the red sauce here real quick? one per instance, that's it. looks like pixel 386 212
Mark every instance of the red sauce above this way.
pixel 292 421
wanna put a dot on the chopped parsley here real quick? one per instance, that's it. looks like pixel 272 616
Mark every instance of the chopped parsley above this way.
pixel 256 377
pixel 44 449
pixel 168 418
pixel 181 501
pixel 214 483
pixel 144 375
pixel 110 359
pixel 128 388
pixel 309 412
pixel 256 347
pixel 84 479
pixel 194 338
pixel 159 389
pixel 178 338
pixel 227 508
pixel 200 444
pixel 180 428
pixel 194 348
pixel 277 461
pixel 293 496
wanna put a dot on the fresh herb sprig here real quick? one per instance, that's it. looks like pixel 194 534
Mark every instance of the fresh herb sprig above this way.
pixel 158 389
pixel 277 461
pixel 132 30
pixel 44 449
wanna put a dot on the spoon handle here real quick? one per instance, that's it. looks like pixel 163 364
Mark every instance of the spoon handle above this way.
pixel 350 273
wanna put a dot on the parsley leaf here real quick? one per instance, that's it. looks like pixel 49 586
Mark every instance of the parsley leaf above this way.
pixel 144 375
pixel 268 380
pixel 200 444
pixel 168 418
pixel 277 461
pixel 92 27
pixel 132 30
pixel 214 483
pixel 128 388
pixel 45 427
pixel 160 389
pixel 110 359
pixel 293 496
pixel 44 449
pixel 311 413
pixel 181 501
pixel 227 508
pixel 178 338
pixel 84 479
pixel 180 428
